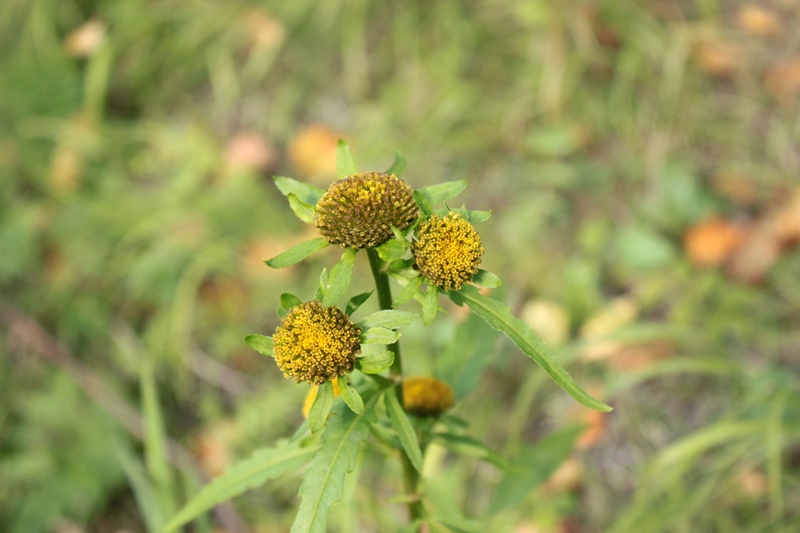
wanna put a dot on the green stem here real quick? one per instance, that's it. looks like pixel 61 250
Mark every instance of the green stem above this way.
pixel 411 483
pixel 385 302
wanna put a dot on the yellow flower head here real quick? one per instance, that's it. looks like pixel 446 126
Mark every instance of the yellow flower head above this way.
pixel 447 250
pixel 358 211
pixel 424 396
pixel 316 344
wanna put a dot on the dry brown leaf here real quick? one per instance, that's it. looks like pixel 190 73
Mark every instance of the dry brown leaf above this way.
pixel 86 39
pixel 313 152
pixel 717 57
pixel 548 319
pixel 758 21
pixel 783 80
pixel 712 242
pixel 249 151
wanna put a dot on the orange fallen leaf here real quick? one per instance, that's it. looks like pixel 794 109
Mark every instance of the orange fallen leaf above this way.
pixel 712 242
pixel 250 151
pixel 313 152
pixel 264 30
pixel 783 80
pixel 758 21
pixel 639 356
pixel 717 58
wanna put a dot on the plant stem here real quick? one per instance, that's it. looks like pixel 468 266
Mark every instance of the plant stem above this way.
pixel 411 484
pixel 385 302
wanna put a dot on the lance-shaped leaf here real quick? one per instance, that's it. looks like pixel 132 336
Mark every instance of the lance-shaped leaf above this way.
pixel 303 210
pixel 375 363
pixel 305 192
pixel 472 447
pixel 484 278
pixel 443 191
pixel 430 304
pixel 392 249
pixel 379 336
pixel 322 288
pixel 339 280
pixel 498 315
pixel 263 465
pixel 402 426
pixel 321 407
pixel 289 300
pixel 260 343
pixel 345 162
pixel 399 165
pixel 357 301
pixel 323 481
pixel 388 318
pixel 298 253
pixel 423 203
pixel 408 291
pixel 473 217
pixel 350 395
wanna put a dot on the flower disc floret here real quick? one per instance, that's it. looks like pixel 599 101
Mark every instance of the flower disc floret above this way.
pixel 425 396
pixel 447 250
pixel 315 343
pixel 359 210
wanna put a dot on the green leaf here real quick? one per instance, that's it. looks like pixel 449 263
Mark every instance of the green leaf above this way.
pixel 339 280
pixel 423 203
pixel 402 425
pixel 408 291
pixel 533 466
pixel 305 192
pixel 323 481
pixel 379 336
pixel 155 440
pixel 321 408
pixel 484 278
pixel 356 301
pixel 303 210
pixel 388 318
pixel 397 233
pixel 472 447
pixel 323 284
pixel 430 305
pixel 260 343
pixel 475 217
pixel 399 165
pixel 298 253
pixel 345 162
pixel 351 396
pixel 392 249
pixel 458 524
pixel 443 191
pixel 263 465
pixel 499 316
pixel 375 363
pixel 289 300
pixel 467 355
pixel 282 311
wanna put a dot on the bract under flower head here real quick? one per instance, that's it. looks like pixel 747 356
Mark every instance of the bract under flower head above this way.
pixel 358 211
pixel 447 250
pixel 425 396
pixel 315 343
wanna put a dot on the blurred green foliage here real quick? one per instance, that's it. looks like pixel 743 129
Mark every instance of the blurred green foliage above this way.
pixel 131 232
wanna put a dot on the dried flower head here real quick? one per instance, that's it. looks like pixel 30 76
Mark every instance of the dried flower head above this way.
pixel 424 396
pixel 315 343
pixel 358 211
pixel 447 250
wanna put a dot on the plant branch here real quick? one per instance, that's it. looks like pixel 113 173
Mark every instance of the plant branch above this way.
pixel 385 302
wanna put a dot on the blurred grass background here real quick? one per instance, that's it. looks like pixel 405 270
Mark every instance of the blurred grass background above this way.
pixel 641 160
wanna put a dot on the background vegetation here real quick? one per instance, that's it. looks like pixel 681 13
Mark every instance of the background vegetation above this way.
pixel 641 160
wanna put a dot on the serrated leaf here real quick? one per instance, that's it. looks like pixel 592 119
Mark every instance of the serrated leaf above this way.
pixel 392 249
pixel 303 210
pixel 298 253
pixel 305 192
pixel 430 304
pixel 263 465
pixel 379 336
pixel 443 191
pixel 408 292
pixel 289 300
pixel 402 426
pixel 323 481
pixel 345 162
pixel 399 165
pixel 260 343
pixel 484 278
pixel 388 318
pixel 375 363
pixel 423 203
pixel 533 466
pixel 498 315
pixel 466 445
pixel 321 407
pixel 339 280
pixel 357 301
pixel 351 396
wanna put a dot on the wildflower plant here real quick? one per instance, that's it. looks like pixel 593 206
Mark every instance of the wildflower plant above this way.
pixel 430 250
